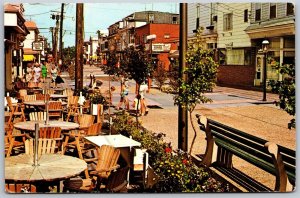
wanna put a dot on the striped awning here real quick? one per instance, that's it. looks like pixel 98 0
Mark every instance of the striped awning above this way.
pixel 28 57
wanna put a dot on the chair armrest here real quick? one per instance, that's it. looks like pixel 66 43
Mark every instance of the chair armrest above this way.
pixel 96 172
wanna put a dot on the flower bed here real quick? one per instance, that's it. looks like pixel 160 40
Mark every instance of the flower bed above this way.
pixel 176 171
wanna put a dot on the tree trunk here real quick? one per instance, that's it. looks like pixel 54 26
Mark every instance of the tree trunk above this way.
pixel 195 133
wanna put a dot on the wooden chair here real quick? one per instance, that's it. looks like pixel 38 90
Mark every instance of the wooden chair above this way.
pixel 31 85
pixel 68 92
pixel 37 116
pixel 55 110
pixel 108 157
pixel 29 98
pixel 19 188
pixel 116 182
pixel 45 146
pixel 107 164
pixel 52 133
pixel 14 111
pixel 14 141
pixel 22 92
pixel 72 106
pixel 40 96
pixel 50 91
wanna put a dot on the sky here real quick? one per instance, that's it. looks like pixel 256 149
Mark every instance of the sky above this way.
pixel 97 16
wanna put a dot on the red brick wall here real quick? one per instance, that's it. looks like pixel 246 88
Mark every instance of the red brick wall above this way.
pixel 236 75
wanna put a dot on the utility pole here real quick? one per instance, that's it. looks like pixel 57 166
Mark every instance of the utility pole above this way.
pixel 79 47
pixel 53 41
pixel 61 32
pixel 182 111
pixel 55 17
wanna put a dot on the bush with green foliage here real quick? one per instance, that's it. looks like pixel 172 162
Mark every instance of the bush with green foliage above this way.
pixel 201 72
pixel 286 89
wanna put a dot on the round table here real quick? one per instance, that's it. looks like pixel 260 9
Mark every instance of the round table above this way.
pixel 30 125
pixel 51 167
pixel 40 103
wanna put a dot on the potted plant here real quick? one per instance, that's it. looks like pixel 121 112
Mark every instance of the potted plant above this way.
pixel 96 99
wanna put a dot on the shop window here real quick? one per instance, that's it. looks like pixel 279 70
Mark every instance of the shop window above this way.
pixel 274 43
pixel 289 57
pixel 174 20
pixel 235 57
pixel 289 42
pixel 272 10
pixel 289 9
pixel 227 22
pixel 257 12
pixel 222 56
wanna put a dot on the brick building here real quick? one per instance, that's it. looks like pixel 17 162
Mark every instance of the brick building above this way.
pixel 159 47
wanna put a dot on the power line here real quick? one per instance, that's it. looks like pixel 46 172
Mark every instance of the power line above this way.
pixel 30 15
pixel 219 10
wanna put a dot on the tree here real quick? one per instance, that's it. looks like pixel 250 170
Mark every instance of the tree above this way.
pixel 111 67
pixel 286 89
pixel 135 64
pixel 160 75
pixel 174 75
pixel 201 76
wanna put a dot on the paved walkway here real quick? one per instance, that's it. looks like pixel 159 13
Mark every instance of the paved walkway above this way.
pixel 241 109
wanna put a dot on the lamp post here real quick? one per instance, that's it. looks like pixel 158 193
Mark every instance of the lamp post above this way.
pixel 265 45
pixel 151 38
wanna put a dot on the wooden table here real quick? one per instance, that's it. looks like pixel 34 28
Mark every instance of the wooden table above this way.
pixel 57 96
pixel 51 167
pixel 118 141
pixel 40 103
pixel 29 125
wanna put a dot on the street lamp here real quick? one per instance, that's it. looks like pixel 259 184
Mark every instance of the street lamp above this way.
pixel 151 38
pixel 265 45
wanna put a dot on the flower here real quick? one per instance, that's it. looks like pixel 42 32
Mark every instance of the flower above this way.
pixel 168 150
pixel 184 161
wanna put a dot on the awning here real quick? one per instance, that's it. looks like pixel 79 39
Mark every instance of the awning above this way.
pixel 28 57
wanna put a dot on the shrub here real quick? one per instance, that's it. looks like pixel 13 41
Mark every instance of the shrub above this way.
pixel 177 173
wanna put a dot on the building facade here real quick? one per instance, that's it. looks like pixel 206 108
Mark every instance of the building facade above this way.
pixel 15 32
pixel 236 31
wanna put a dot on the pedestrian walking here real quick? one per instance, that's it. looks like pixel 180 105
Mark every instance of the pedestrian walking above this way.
pixel 54 73
pixel 37 73
pixel 124 94
pixel 44 72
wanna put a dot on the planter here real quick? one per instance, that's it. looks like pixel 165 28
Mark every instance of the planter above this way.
pixel 94 109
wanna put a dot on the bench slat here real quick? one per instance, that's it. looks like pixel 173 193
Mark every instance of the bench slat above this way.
pixel 254 138
pixel 257 152
pixel 269 167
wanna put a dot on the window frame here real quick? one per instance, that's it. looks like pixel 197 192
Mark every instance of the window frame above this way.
pixel 271 8
pixel 256 12
pixel 228 22
pixel 246 18
pixel 288 11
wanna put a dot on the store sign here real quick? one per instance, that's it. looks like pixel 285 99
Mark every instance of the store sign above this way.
pixel 38 46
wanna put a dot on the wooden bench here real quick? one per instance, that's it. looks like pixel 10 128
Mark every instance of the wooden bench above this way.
pixel 223 142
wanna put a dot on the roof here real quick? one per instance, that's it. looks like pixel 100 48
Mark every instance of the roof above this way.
pixel 10 8
pixel 30 24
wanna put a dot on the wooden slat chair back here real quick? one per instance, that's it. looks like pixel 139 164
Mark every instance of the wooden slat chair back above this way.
pixel 108 157
pixel 50 91
pixel 50 132
pixel 29 98
pixel 14 111
pixel 85 121
pixel 94 129
pixel 100 115
pixel 37 116
pixel 20 188
pixel 68 92
pixel 55 109
pixel 42 96
pixel 72 106
pixel 8 144
pixel 22 92
pixel 45 146
pixel 31 85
